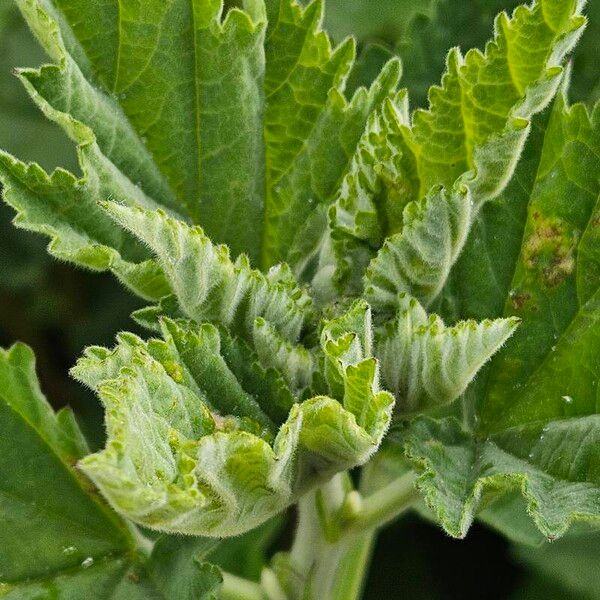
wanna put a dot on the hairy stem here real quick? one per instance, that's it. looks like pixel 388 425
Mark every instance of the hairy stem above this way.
pixel 382 506
pixel 144 544
pixel 336 532
pixel 353 567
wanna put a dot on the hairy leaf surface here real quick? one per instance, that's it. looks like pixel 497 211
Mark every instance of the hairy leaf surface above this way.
pixel 208 115
pixel 198 443
pixel 535 409
pixel 421 180
pixel 215 141
pixel 425 364
pixel 422 32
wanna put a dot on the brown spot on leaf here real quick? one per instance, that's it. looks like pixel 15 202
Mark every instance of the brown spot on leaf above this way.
pixel 549 250
pixel 133 576
pixel 519 299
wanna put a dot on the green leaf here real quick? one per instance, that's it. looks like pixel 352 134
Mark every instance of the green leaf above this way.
pixel 379 182
pixel 389 22
pixel 554 465
pixel 554 283
pixel 469 140
pixel 247 554
pixel 205 114
pixel 58 538
pixel 350 369
pixel 191 450
pixel 569 565
pixel 178 569
pixel 422 32
pixel 269 312
pixel 535 410
pixel 45 504
pixel 209 286
pixel 418 182
pixel 426 364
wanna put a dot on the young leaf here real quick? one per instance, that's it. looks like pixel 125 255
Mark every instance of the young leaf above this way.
pixel 380 180
pixel 209 286
pixel 58 538
pixel 421 33
pixel 426 364
pixel 191 450
pixel 536 408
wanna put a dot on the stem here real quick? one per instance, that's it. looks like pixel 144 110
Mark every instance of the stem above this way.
pixel 144 544
pixel 238 588
pixel 383 506
pixel 336 532
pixel 354 566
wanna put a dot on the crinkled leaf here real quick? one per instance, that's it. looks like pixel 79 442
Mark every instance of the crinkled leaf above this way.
pixel 425 364
pixel 469 141
pixel 536 409
pixel 351 370
pixel 268 311
pixel 209 286
pixel 421 33
pixel 379 182
pixel 418 260
pixel 554 465
pixel 58 538
pixel 191 450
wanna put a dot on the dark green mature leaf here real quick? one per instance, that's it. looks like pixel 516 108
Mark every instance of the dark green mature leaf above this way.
pixel 207 115
pixel 58 539
pixel 569 565
pixel 536 409
pixel 44 503
pixel 246 555
pixel 418 183
pixel 554 284
pixel 391 20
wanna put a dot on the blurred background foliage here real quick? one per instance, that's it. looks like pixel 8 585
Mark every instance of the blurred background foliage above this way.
pixel 58 310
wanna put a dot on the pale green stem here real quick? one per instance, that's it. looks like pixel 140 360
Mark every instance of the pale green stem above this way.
pixel 333 545
pixel 383 506
pixel 238 588
pixel 354 566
